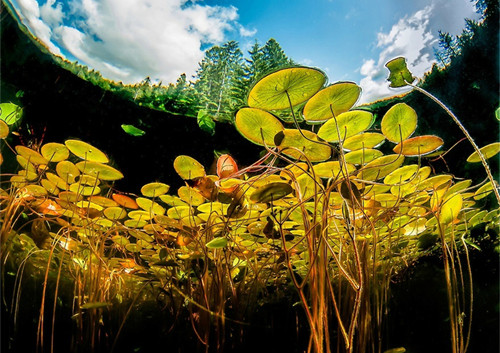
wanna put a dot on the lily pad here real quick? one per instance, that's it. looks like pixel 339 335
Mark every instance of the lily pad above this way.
pixel 217 243
pixel 4 129
pixel 86 151
pixel 285 88
pixel 399 75
pixel 99 170
pixel 332 169
pixel 487 151
pixel 419 145
pixel 258 126
pixel 54 152
pixel 150 206
pixel 450 209
pixel 125 201
pixel 10 113
pixel 399 123
pixel 363 156
pixel 154 189
pixel 114 213
pixel 364 140
pixel 31 155
pixel 346 124
pixel 132 130
pixel 67 171
pixel 296 146
pixel 337 98
pixel 271 192
pixel 188 168
pixel 381 167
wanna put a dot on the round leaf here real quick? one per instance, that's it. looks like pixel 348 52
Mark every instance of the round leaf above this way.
pixel 339 98
pixel 399 75
pixel 271 192
pixel 450 209
pixel 4 129
pixel 419 145
pixel 54 152
pixel 399 122
pixel 294 143
pixel 258 126
pixel 188 167
pixel 154 189
pixel 364 140
pixel 99 171
pixel 381 167
pixel 346 124
pixel 363 156
pixel 10 113
pixel 86 151
pixel 487 151
pixel 31 155
pixel 217 243
pixel 284 87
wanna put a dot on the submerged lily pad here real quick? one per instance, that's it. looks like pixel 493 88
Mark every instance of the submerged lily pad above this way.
pixel 294 143
pixel 487 151
pixel 450 209
pixel 86 151
pixel 54 152
pixel 419 145
pixel 271 192
pixel 399 122
pixel 346 124
pixel 10 113
pixel 99 170
pixel 154 189
pixel 364 140
pixel 381 167
pixel 217 243
pixel 31 155
pixel 4 129
pixel 337 98
pixel 290 86
pixel 258 126
pixel 188 168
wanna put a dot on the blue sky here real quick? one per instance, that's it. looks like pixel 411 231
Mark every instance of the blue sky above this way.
pixel 127 40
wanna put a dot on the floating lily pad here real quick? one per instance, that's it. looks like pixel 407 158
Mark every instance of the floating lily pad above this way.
pixel 487 151
pixel 399 75
pixel 399 123
pixel 381 167
pixel 315 152
pixel 258 126
pixel 286 87
pixel 50 186
pixel 10 113
pixel 190 196
pixel 25 164
pixel 114 213
pixel 188 168
pixel 54 152
pixel 67 171
pixel 364 140
pixel 86 151
pixel 419 145
pixel 362 156
pixel 99 170
pixel 125 201
pixel 31 155
pixel 132 130
pixel 150 206
pixel 337 98
pixel 401 175
pixel 60 183
pixel 35 190
pixel 84 190
pixel 332 169
pixel 346 124
pixel 271 192
pixel 154 189
pixel 4 129
pixel 483 191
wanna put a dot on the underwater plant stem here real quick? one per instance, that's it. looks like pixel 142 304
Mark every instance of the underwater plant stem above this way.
pixel 466 133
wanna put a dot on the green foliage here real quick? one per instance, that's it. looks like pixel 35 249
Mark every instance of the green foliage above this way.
pixel 132 130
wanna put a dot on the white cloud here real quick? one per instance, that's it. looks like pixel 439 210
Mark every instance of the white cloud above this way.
pixel 245 32
pixel 412 37
pixel 127 40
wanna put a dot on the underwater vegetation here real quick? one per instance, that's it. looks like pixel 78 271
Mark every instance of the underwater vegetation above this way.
pixel 331 211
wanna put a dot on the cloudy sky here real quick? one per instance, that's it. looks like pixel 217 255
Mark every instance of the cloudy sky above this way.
pixel 127 40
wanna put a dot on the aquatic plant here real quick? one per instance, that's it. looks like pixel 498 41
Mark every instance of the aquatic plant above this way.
pixel 325 212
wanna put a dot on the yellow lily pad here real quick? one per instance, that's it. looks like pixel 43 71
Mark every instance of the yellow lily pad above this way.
pixel 331 101
pixel 284 87
pixel 154 189
pixel 332 169
pixel 31 155
pixel 86 151
pixel 188 167
pixel 487 151
pixel 362 156
pixel 271 192
pixel 4 129
pixel 399 122
pixel 67 171
pixel 190 196
pixel 150 206
pixel 381 167
pixel 114 213
pixel 296 146
pixel 54 152
pixel 345 125
pixel 450 209
pixel 258 126
pixel 99 170
pixel 364 140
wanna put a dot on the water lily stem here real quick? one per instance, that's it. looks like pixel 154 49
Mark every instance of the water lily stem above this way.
pixel 466 133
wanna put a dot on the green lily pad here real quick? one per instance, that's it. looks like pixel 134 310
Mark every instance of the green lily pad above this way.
pixel 10 113
pixel 67 171
pixel 294 143
pixel 188 168
pixel 217 243
pixel 399 123
pixel 95 305
pixel 364 140
pixel 154 189
pixel 271 192
pixel 258 126
pixel 487 151
pixel 285 88
pixel 363 156
pixel 337 98
pixel 132 130
pixel 86 151
pixel 419 145
pixel 99 170
pixel 450 209
pixel 399 75
pixel 332 169
pixel 31 155
pixel 346 124
pixel 381 167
